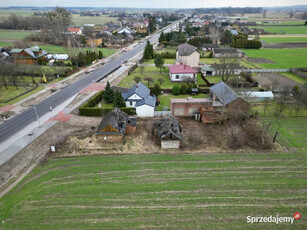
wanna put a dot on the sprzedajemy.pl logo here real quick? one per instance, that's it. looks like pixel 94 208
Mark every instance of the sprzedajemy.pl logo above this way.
pixel 273 219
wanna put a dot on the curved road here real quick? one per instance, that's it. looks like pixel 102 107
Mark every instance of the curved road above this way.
pixel 20 121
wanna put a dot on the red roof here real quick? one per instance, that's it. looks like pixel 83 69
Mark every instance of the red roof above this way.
pixel 73 29
pixel 181 69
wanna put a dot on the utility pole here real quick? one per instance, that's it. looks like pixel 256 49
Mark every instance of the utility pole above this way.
pixel 37 118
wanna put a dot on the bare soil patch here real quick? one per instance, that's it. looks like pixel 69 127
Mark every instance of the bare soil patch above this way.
pixel 260 60
pixel 285 45
pixel 37 99
pixel 274 81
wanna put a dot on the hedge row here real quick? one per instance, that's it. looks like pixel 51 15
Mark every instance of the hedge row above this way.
pixel 89 109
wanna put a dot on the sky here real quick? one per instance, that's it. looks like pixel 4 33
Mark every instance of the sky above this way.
pixel 153 3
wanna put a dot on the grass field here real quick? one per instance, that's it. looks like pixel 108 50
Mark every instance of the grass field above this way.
pixel 283 39
pixel 284 58
pixel 295 78
pixel 283 29
pixel 15 34
pixel 214 191
pixel 6 44
pixel 292 132
pixel 292 23
pixel 81 20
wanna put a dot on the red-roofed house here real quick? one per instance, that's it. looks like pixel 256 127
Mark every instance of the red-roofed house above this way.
pixel 181 72
pixel 74 30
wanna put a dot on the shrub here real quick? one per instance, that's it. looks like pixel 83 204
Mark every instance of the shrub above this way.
pixel 184 89
pixel 156 90
pixel 176 90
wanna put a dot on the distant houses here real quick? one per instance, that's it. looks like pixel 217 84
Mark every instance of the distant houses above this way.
pixel 74 30
pixel 181 73
pixel 228 52
pixel 187 55
pixel 139 97
pixel 221 69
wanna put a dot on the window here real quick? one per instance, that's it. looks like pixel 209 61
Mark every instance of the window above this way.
pixel 177 76
pixel 131 103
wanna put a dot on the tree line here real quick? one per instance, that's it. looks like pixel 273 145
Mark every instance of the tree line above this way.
pixel 18 22
pixel 241 42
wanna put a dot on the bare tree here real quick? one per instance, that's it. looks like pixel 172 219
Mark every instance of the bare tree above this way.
pixel 161 80
pixel 148 79
pixel 226 67
pixel 137 79
pixel 142 69
pixel 214 34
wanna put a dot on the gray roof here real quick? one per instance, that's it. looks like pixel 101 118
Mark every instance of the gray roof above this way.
pixel 150 100
pixel 224 93
pixel 229 66
pixel 227 50
pixel 139 89
pixel 169 129
pixel 186 49
pixel 210 45
pixel 117 119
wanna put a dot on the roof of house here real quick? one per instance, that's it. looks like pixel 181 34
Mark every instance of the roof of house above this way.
pixel 186 49
pixel 206 68
pixel 139 89
pixel 229 66
pixel 234 32
pixel 256 94
pixel 227 50
pixel 16 50
pixel 210 45
pixel 115 118
pixel 190 100
pixel 150 100
pixel 169 129
pixel 125 30
pixel 224 93
pixel 181 69
pixel 73 29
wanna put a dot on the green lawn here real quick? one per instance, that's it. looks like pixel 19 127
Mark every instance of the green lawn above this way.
pixel 11 92
pixel 150 71
pixel 166 61
pixel 211 191
pixel 283 29
pixel 165 99
pixel 6 44
pixel 292 132
pixel 14 35
pixel 284 58
pixel 284 39
pixel 295 78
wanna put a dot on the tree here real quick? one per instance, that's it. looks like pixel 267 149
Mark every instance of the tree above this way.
pixel 100 55
pixel 199 41
pixel 156 90
pixel 148 79
pixel 183 89
pixel 152 25
pixel 226 37
pixel 137 79
pixel 142 69
pixel 148 51
pixel 118 100
pixel 108 95
pixel 159 62
pixel 264 13
pixel 176 90
pixel 161 80
pixel 214 34
pixel 226 66
pixel 162 38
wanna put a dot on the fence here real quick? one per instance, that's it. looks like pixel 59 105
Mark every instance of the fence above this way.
pixel 265 70
pixel 162 113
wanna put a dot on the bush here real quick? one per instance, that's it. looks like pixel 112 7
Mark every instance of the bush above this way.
pixel 156 90
pixel 184 89
pixel 176 90
pixel 168 55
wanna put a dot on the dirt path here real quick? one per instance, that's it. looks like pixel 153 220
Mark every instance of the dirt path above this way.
pixel 275 81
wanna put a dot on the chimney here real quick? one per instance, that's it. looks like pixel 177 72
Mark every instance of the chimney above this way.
pixel 137 86
pixel 185 66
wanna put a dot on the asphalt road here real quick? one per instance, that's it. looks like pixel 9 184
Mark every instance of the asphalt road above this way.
pixel 17 123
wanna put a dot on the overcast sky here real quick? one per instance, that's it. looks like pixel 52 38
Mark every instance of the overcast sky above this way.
pixel 153 3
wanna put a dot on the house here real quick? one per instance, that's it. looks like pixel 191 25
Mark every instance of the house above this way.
pixel 114 125
pixel 58 57
pixel 228 97
pixel 228 52
pixel 94 42
pixel 169 133
pixel 187 55
pixel 74 30
pixel 5 54
pixel 234 32
pixel 219 69
pixel 28 55
pixel 139 97
pixel 128 38
pixel 140 27
pixel 209 47
pixel 179 73
pixel 126 30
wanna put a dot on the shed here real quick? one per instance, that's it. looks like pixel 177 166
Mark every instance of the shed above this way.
pixel 169 132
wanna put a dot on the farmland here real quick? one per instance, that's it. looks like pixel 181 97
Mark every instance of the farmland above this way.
pixel 284 58
pixel 14 34
pixel 278 39
pixel 81 20
pixel 283 29
pixel 155 191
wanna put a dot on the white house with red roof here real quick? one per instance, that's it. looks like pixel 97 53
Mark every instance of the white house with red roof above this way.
pixel 180 72
pixel 74 30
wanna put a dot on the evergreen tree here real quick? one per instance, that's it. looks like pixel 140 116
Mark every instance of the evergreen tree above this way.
pixel 100 55
pixel 156 90
pixel 183 89
pixel 108 95
pixel 162 38
pixel 118 100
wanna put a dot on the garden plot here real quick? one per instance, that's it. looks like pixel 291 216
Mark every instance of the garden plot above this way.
pixel 275 81
pixel 260 60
